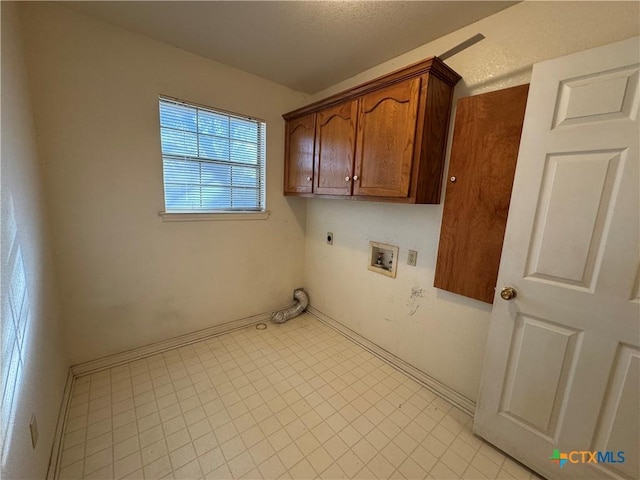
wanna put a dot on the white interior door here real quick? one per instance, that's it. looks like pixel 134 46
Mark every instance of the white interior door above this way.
pixel 562 365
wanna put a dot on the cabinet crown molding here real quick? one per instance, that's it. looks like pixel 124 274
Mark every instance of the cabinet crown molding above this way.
pixel 432 66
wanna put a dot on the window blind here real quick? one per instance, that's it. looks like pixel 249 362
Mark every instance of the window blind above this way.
pixel 212 160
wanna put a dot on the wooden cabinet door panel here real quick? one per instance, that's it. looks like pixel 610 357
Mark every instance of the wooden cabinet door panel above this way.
pixel 486 138
pixel 386 139
pixel 300 134
pixel 335 144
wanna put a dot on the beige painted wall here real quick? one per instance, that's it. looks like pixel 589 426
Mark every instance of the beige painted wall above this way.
pixel 38 382
pixel 126 277
pixel 441 333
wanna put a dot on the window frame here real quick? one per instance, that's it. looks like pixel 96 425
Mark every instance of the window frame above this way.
pixel 253 213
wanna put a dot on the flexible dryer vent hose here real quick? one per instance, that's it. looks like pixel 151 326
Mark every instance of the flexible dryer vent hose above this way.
pixel 283 315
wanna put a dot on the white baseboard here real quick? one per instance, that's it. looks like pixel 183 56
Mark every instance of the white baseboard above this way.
pixel 463 403
pixel 58 435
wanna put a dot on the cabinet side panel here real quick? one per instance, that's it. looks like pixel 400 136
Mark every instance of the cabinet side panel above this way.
pixel 483 160
pixel 434 140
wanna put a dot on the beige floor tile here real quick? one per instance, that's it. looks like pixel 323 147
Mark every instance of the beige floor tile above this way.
pixel 515 469
pixel 232 448
pixel 411 470
pixel 350 464
pixel 295 401
pixel 307 443
pixel 158 468
pixel 98 460
pixel 72 454
pixel 182 456
pixel 484 465
pixel 261 451
pixel 296 429
pixel 349 435
pixel 126 447
pixel 303 471
pixel 394 454
pixel 72 471
pixel 378 439
pixel 241 464
pixel 473 474
pixel 455 462
pixel 320 459
pixel 211 460
pixel 435 446
pixel 126 466
pixel 279 439
pixel 405 442
pixel 272 468
pixel 365 450
pixel 290 455
pixel 444 435
pixel 177 439
pixel 441 472
pixel 190 471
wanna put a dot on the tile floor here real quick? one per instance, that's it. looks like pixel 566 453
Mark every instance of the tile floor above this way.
pixel 297 400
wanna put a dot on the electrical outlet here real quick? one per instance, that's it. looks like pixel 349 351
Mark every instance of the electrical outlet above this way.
pixel 412 258
pixel 33 427
pixel 329 238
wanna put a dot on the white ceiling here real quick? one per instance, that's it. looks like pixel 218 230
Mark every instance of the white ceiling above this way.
pixel 306 45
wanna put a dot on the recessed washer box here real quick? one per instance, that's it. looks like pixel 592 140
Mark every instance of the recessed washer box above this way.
pixel 383 259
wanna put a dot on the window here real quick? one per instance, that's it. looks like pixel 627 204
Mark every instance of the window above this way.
pixel 213 161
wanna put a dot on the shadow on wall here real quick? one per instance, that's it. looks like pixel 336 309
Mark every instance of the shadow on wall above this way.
pixel 496 82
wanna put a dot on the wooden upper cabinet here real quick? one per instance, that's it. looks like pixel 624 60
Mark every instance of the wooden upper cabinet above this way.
pixel 485 146
pixel 335 147
pixel 299 144
pixel 386 139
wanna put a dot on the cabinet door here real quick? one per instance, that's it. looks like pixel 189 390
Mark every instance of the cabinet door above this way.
pixel 483 161
pixel 298 173
pixel 386 139
pixel 335 144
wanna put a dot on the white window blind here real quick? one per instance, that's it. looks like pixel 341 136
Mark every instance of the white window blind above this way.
pixel 212 160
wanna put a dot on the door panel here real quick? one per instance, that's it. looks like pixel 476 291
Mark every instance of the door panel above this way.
pixel 578 210
pixel 386 139
pixel 597 97
pixel 620 407
pixel 561 359
pixel 335 145
pixel 538 408
pixel 635 294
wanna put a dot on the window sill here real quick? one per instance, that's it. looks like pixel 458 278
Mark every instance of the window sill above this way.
pixel 212 216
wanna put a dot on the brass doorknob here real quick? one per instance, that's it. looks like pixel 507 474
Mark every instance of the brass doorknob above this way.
pixel 508 293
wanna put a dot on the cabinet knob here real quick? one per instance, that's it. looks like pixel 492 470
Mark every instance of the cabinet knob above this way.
pixel 355 177
pixel 346 179
pixel 453 179
pixel 308 179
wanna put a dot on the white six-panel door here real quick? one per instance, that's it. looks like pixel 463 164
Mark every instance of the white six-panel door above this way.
pixel 562 365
